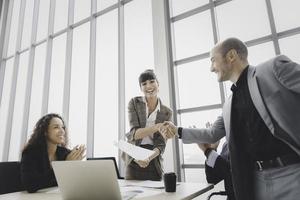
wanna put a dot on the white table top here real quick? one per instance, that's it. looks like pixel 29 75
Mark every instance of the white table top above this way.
pixel 184 191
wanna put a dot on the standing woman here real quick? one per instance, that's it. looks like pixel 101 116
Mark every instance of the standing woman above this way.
pixel 146 117
pixel 47 143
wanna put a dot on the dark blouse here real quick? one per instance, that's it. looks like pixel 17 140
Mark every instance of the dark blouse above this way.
pixel 36 171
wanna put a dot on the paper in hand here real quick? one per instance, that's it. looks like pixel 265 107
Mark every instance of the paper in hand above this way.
pixel 135 152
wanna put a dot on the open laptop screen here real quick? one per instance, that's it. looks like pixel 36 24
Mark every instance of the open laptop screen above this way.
pixel 109 158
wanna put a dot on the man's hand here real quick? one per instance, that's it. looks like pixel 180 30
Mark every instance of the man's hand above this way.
pixel 168 130
pixel 204 146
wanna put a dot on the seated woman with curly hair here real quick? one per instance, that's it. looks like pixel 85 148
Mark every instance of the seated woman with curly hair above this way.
pixel 48 142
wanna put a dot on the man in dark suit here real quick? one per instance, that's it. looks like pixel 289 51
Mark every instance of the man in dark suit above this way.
pixel 217 166
pixel 261 121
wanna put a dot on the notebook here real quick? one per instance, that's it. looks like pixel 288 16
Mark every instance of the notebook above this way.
pixel 93 179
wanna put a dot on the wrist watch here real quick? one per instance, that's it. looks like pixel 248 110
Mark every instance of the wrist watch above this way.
pixel 179 131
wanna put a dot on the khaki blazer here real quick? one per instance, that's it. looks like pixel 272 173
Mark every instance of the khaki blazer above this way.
pixel 137 119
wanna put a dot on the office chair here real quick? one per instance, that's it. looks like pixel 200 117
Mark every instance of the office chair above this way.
pixel 109 158
pixel 223 193
pixel 10 177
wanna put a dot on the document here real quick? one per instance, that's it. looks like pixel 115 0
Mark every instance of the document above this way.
pixel 135 152
pixel 148 184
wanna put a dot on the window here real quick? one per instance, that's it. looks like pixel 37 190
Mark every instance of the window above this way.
pixel 192 92
pixel 14 27
pixel 82 10
pixel 15 140
pixel 61 15
pixel 179 6
pixel 283 20
pixel 42 27
pixel 260 53
pixel 5 101
pixel 79 85
pixel 290 47
pixel 102 4
pixel 57 75
pixel 50 61
pixel 106 94
pixel 237 19
pixel 193 35
pixel 27 27
pixel 138 46
pixel 37 87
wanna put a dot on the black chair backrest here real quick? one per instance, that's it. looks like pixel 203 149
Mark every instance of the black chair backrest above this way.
pixel 10 177
pixel 109 158
pixel 223 193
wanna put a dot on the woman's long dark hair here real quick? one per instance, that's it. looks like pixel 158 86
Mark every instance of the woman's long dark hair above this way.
pixel 38 137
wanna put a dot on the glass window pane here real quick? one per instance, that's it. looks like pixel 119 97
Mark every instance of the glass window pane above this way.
pixel 193 35
pixel 79 85
pixel 4 102
pixel 286 14
pixel 139 53
pixel 61 15
pixel 14 27
pixel 290 47
pixel 102 4
pixel 82 9
pixel 106 117
pixel 27 27
pixel 42 29
pixel 243 24
pixel 37 87
pixel 197 85
pixel 260 53
pixel 138 38
pixel 180 6
pixel 192 153
pixel 57 75
pixel 195 175
pixel 16 131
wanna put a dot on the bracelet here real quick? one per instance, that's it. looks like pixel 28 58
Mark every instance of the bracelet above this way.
pixel 207 152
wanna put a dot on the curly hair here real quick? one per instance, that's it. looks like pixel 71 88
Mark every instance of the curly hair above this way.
pixel 38 137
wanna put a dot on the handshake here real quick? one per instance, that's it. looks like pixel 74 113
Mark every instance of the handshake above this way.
pixel 167 129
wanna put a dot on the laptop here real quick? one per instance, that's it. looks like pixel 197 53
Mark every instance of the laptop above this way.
pixel 94 179
pixel 109 158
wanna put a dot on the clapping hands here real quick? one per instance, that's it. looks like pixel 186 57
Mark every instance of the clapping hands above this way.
pixel 77 153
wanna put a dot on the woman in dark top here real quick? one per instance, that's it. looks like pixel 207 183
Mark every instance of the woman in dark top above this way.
pixel 47 143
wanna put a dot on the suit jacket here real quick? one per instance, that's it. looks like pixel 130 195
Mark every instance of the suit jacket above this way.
pixel 274 88
pixel 36 172
pixel 137 119
pixel 221 171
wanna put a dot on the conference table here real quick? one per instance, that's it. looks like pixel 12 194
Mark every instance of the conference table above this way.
pixel 148 190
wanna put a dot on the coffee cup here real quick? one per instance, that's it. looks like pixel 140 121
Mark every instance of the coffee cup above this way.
pixel 170 182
